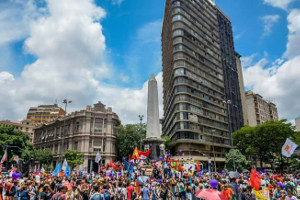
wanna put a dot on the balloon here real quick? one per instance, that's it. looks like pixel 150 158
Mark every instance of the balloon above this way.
pixel 244 172
pixel 160 158
pixel 213 183
pixel 223 171
pixel 171 173
pixel 260 172
pixel 199 175
pixel 119 173
pixel 160 181
pixel 180 151
pixel 169 155
pixel 169 164
pixel 124 159
pixel 154 161
pixel 245 177
pixel 131 162
pixel 265 170
pixel 16 175
pixel 190 168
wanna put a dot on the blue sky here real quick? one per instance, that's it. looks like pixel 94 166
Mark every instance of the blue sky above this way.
pixel 130 50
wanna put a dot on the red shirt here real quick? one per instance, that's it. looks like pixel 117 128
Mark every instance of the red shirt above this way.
pixel 129 191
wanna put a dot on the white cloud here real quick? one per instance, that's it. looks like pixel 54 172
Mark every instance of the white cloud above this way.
pixel 268 22
pixel 293 45
pixel 14 18
pixel 71 63
pixel 283 4
pixel 280 80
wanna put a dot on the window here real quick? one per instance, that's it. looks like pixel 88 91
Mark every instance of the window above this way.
pixel 75 145
pixel 77 126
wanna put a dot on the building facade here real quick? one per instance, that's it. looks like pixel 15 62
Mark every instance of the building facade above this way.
pixel 242 87
pixel 44 113
pixel 87 131
pixel 196 79
pixel 297 121
pixel 230 73
pixel 259 110
pixel 24 126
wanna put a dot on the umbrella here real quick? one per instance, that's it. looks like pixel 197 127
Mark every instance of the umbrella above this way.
pixel 233 174
pixel 210 194
pixel 143 179
pixel 68 185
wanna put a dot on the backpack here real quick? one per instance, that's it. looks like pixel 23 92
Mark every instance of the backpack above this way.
pixel 106 195
pixel 12 191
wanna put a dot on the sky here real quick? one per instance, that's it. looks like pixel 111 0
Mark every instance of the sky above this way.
pixel 106 50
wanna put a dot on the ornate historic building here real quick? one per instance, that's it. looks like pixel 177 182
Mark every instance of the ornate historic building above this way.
pixel 88 131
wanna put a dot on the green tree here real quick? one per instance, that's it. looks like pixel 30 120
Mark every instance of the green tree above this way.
pixel 129 136
pixel 73 158
pixel 241 163
pixel 45 156
pixel 264 142
pixel 167 141
pixel 12 137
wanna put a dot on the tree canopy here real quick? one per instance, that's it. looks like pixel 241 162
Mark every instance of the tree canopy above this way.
pixel 264 142
pixel 129 136
pixel 73 158
pixel 22 147
pixel 235 156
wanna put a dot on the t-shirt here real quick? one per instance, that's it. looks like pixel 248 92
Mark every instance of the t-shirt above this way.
pixel 144 192
pixel 24 195
pixel 129 191
pixel 228 193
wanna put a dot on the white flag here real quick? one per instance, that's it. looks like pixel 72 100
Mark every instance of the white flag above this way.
pixel 64 166
pixel 42 170
pixel 98 157
pixel 288 148
pixel 4 158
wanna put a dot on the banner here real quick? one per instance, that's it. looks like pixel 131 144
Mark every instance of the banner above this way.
pixel 288 148
pixel 135 154
pixel 64 166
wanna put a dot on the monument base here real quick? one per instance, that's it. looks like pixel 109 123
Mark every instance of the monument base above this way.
pixel 154 145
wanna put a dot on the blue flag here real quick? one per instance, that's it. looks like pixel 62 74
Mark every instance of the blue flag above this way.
pixel 57 169
pixel 67 171
pixel 128 167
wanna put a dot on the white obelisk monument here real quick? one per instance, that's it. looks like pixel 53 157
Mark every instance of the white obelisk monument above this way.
pixel 153 136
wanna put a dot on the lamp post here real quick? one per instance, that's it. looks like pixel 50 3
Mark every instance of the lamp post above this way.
pixel 228 103
pixel 141 122
pixel 212 134
pixel 65 101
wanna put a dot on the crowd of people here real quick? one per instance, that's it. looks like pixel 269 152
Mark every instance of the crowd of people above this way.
pixel 164 183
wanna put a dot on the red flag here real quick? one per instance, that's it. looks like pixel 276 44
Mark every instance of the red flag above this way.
pixel 112 164
pixel 198 167
pixel 144 155
pixel 255 179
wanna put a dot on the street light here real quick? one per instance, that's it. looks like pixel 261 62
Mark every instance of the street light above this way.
pixel 141 122
pixel 65 101
pixel 212 134
pixel 228 103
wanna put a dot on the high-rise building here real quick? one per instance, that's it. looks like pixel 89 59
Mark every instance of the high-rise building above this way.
pixel 259 110
pixel 24 126
pixel 297 121
pixel 200 80
pixel 44 113
pixel 87 131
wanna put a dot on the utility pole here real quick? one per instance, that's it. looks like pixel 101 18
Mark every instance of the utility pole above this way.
pixel 65 101
pixel 141 123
